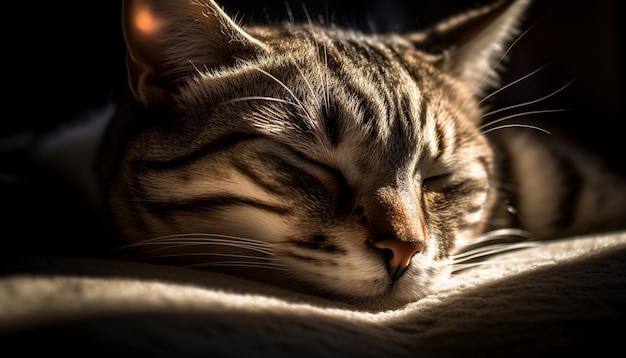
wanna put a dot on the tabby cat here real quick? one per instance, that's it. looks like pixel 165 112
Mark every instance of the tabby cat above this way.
pixel 328 160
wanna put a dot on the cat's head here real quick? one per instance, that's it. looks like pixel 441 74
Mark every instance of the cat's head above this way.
pixel 341 162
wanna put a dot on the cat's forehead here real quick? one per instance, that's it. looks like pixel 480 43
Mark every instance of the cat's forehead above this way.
pixel 356 90
pixel 318 44
pixel 346 99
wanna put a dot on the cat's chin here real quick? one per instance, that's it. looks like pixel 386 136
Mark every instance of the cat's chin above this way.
pixel 378 294
pixel 388 296
pixel 401 294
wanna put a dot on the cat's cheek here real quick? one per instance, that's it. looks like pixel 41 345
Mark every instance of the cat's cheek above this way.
pixel 242 222
pixel 358 274
pixel 362 278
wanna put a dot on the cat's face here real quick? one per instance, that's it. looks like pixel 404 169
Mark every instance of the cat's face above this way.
pixel 334 161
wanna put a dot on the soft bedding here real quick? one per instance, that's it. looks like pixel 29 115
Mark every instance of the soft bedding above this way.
pixel 565 296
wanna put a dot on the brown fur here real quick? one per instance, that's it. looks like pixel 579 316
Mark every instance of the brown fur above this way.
pixel 292 153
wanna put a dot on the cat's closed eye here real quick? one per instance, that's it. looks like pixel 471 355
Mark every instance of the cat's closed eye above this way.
pixel 436 183
pixel 331 179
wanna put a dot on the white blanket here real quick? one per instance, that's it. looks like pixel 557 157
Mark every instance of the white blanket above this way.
pixel 567 296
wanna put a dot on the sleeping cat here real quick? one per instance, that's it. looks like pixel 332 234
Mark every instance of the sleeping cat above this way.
pixel 328 160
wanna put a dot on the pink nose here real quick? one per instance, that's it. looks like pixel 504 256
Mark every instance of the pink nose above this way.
pixel 402 252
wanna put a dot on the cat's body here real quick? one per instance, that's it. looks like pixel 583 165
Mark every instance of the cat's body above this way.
pixel 325 159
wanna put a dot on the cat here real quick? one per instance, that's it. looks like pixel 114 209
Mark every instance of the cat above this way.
pixel 323 159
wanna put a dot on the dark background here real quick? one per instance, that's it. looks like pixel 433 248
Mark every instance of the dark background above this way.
pixel 62 57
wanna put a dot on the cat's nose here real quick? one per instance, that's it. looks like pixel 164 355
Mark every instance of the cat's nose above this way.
pixel 401 254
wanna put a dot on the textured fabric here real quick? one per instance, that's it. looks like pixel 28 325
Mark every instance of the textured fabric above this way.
pixel 562 296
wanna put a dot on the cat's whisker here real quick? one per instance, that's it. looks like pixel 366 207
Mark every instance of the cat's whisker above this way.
pixel 516 125
pixel 212 254
pixel 491 250
pixel 490 244
pixel 327 97
pixel 515 115
pixel 326 86
pixel 250 261
pixel 510 84
pixel 199 242
pixel 169 245
pixel 240 264
pixel 205 235
pixel 283 85
pixel 186 240
pixel 529 102
pixel 487 76
pixel 308 83
pixel 292 19
pixel 476 257
pixel 261 98
pixel 456 268
pixel 500 234
pixel 197 69
pixel 323 74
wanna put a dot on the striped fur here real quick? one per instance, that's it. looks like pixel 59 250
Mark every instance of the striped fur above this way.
pixel 290 153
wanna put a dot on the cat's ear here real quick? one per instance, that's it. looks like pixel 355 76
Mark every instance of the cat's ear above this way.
pixel 167 40
pixel 472 43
